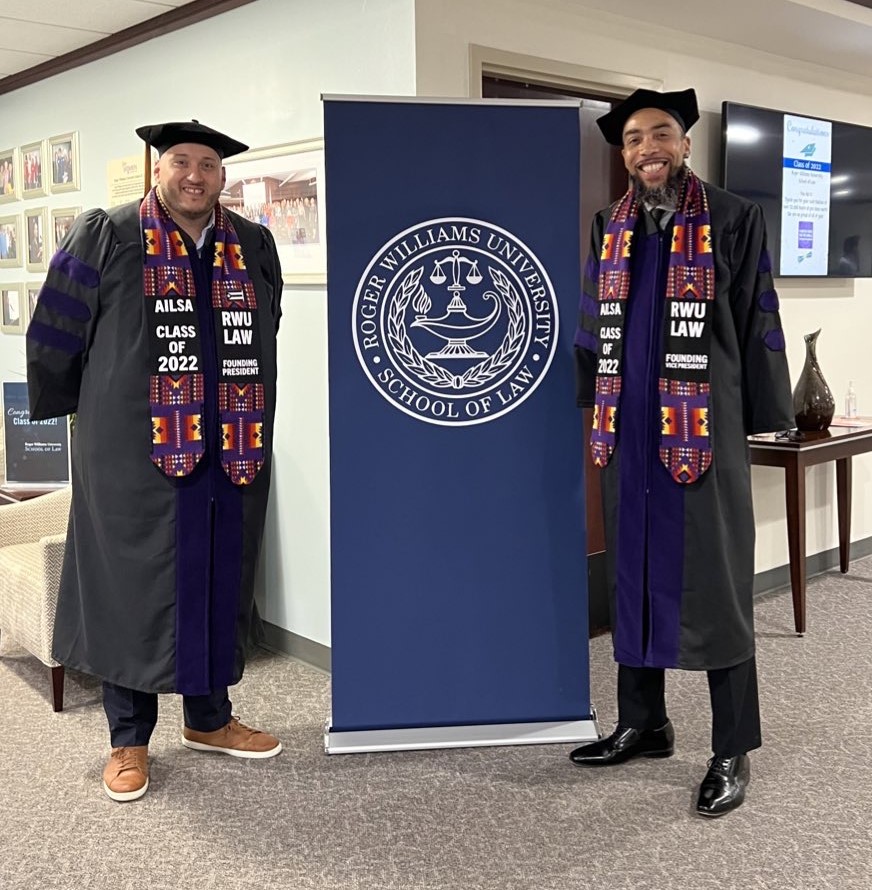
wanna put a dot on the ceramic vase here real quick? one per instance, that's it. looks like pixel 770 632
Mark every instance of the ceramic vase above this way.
pixel 813 403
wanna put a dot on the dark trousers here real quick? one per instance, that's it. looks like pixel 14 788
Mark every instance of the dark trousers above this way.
pixel 132 715
pixel 734 699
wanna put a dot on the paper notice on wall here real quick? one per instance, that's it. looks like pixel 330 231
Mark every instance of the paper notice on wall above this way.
pixel 805 202
pixel 125 179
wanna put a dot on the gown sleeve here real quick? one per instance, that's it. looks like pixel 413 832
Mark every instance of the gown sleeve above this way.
pixel 273 273
pixel 62 327
pixel 586 339
pixel 765 379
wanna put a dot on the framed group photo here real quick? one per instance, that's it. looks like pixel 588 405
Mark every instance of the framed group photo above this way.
pixel 282 187
pixel 61 220
pixel 36 248
pixel 63 156
pixel 9 175
pixel 10 241
pixel 34 179
pixel 11 308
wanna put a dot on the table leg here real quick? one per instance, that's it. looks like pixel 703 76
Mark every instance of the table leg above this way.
pixel 795 493
pixel 843 494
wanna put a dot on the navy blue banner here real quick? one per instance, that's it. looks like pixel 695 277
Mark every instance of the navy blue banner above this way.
pixel 459 578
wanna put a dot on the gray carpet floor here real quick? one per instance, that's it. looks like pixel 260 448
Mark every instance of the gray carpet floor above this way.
pixel 497 819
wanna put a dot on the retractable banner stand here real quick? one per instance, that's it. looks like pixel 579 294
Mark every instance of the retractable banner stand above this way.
pixel 459 591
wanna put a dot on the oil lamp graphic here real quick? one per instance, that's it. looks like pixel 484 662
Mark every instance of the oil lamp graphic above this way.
pixel 457 326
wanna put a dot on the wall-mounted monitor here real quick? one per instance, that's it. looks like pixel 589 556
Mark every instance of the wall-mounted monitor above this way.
pixel 813 178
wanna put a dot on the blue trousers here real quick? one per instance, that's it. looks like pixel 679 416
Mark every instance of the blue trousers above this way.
pixel 132 714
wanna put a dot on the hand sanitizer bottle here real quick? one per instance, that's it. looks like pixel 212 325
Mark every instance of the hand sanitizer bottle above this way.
pixel 851 401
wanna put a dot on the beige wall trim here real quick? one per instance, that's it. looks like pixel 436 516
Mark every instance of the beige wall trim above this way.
pixel 285 642
pixel 778 578
pixel 549 72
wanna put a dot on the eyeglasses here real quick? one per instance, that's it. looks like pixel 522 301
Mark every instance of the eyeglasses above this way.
pixel 791 435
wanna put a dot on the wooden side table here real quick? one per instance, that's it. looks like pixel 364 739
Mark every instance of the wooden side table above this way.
pixel 794 453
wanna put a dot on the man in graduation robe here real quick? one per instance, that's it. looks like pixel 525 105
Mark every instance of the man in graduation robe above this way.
pixel 680 353
pixel 157 326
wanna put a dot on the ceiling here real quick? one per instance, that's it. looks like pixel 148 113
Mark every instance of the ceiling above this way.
pixel 833 33
pixel 37 31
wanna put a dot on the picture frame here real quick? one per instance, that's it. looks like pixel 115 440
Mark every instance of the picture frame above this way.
pixel 29 298
pixel 11 308
pixel 32 170
pixel 34 244
pixel 63 163
pixel 9 175
pixel 61 220
pixel 11 248
pixel 282 187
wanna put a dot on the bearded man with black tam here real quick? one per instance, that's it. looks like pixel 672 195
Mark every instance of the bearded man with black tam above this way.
pixel 157 325
pixel 680 353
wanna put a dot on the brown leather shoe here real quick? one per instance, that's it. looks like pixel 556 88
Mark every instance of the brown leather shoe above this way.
pixel 126 775
pixel 235 739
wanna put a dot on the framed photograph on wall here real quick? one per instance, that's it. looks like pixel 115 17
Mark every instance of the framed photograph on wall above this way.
pixel 34 176
pixel 9 175
pixel 282 187
pixel 61 220
pixel 28 301
pixel 10 241
pixel 35 246
pixel 63 158
pixel 11 308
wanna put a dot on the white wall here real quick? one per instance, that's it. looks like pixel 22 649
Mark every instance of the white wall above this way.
pixel 568 33
pixel 282 55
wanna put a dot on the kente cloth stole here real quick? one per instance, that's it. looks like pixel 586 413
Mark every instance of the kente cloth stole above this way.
pixel 685 392
pixel 176 384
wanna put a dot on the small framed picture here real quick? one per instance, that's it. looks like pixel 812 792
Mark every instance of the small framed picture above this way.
pixel 9 175
pixel 35 246
pixel 61 220
pixel 34 181
pixel 31 294
pixel 11 308
pixel 10 241
pixel 63 155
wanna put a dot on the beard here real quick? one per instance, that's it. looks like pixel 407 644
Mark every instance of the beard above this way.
pixel 665 195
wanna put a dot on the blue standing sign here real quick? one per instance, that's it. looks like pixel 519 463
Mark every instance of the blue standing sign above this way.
pixel 458 567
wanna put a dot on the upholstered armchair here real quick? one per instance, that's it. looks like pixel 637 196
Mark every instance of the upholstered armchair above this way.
pixel 32 535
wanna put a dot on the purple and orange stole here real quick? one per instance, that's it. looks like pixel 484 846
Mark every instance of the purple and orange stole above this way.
pixel 176 384
pixel 685 409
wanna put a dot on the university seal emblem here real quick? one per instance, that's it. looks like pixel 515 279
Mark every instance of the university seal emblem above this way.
pixel 455 321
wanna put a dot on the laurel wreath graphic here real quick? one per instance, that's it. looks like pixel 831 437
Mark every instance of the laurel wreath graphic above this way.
pixel 430 372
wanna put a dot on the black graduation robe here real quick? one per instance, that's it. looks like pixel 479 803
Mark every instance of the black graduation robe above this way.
pixel 157 588
pixel 680 558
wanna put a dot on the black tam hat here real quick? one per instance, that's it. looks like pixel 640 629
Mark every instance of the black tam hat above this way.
pixel 164 136
pixel 681 105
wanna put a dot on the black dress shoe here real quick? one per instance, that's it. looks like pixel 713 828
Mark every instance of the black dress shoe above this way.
pixel 723 788
pixel 625 743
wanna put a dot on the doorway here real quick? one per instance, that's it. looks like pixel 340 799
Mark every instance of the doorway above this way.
pixel 603 180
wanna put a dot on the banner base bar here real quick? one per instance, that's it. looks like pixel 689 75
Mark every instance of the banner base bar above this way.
pixel 474 736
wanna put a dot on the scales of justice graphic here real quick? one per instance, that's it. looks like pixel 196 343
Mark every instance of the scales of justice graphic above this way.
pixel 457 326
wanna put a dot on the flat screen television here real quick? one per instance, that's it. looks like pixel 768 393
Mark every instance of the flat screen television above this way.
pixel 813 178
